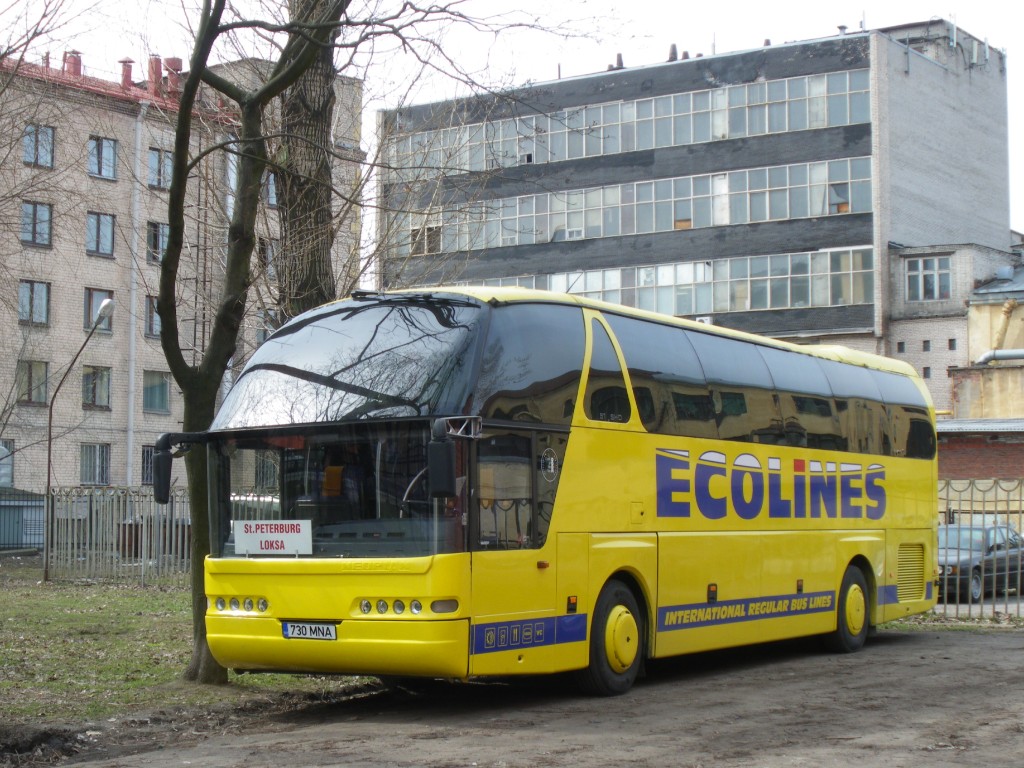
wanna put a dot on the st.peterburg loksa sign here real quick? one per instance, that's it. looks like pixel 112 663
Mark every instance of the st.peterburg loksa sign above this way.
pixel 273 537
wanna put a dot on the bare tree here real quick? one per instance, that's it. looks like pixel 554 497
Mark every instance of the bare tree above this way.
pixel 278 118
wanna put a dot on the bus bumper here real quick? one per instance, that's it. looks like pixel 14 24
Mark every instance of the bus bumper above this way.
pixel 417 648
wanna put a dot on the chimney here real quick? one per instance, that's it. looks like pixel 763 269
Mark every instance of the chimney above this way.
pixel 173 75
pixel 673 54
pixel 154 75
pixel 618 61
pixel 842 29
pixel 126 73
pixel 767 43
pixel 73 63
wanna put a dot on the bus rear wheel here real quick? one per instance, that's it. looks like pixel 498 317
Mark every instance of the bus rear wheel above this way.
pixel 616 642
pixel 852 617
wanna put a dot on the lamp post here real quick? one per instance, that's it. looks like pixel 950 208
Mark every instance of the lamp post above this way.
pixel 105 311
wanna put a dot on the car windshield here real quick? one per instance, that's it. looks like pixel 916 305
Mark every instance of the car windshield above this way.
pixel 954 537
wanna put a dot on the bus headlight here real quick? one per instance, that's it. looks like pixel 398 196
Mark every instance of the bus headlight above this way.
pixel 382 606
pixel 365 606
pixel 399 606
pixel 415 606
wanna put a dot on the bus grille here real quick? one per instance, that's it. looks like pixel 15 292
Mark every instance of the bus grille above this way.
pixel 910 576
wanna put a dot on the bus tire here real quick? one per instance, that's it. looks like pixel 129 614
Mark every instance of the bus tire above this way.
pixel 852 614
pixel 616 642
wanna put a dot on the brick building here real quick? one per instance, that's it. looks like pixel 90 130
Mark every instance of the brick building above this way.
pixel 851 189
pixel 84 208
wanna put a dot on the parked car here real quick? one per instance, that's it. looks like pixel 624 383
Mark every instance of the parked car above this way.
pixel 978 559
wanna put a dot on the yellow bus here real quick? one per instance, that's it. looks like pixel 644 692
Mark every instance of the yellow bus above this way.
pixel 464 482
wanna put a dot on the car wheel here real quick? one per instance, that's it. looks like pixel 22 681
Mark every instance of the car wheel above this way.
pixel 616 642
pixel 975 587
pixel 852 617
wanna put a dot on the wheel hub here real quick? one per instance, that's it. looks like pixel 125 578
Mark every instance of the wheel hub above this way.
pixel 856 609
pixel 620 638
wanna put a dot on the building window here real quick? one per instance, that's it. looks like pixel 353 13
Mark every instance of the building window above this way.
pixel 37 146
pixel 95 387
pixel 678 119
pixel 6 463
pixel 94 298
pixel 270 189
pixel 742 283
pixel 95 463
pixel 901 347
pixel 427 239
pixel 951 344
pixel 36 221
pixel 928 279
pixel 266 256
pixel 152 317
pixel 926 372
pixel 33 303
pixel 156 392
pixel 266 469
pixel 743 196
pixel 266 324
pixel 156 241
pixel 99 234
pixel 147 464
pixel 30 381
pixel 926 346
pixel 102 157
pixel 161 161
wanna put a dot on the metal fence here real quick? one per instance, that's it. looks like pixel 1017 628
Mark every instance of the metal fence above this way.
pixel 122 535
pixel 982 566
pixel 119 534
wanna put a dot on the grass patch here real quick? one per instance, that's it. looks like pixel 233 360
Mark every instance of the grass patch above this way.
pixel 74 652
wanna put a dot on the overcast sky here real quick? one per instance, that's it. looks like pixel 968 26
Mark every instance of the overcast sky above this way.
pixel 641 31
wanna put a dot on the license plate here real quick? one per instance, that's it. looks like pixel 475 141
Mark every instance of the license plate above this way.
pixel 309 631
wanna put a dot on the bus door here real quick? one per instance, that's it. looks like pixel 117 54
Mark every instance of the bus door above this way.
pixel 516 473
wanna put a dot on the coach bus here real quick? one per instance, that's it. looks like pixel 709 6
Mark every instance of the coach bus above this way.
pixel 462 482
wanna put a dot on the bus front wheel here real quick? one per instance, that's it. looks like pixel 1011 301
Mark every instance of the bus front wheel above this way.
pixel 616 642
pixel 852 617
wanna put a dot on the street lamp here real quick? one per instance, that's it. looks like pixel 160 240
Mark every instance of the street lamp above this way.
pixel 105 311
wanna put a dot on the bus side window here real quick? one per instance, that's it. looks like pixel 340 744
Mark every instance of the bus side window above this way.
pixel 532 364
pixel 742 388
pixel 862 414
pixel 809 414
pixel 668 383
pixel 606 398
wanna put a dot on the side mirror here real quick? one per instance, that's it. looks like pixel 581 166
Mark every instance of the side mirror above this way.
pixel 162 459
pixel 162 475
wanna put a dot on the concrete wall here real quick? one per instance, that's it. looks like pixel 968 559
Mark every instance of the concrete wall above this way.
pixel 943 155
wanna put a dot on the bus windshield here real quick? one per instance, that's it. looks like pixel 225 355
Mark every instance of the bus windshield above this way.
pixel 357 359
pixel 357 491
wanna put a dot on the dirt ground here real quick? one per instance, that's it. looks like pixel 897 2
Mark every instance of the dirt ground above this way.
pixel 929 697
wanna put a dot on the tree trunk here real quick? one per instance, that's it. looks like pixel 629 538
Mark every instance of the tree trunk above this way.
pixel 199 409
pixel 305 273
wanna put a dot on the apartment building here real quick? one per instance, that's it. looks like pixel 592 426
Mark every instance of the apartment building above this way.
pixel 84 219
pixel 808 191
